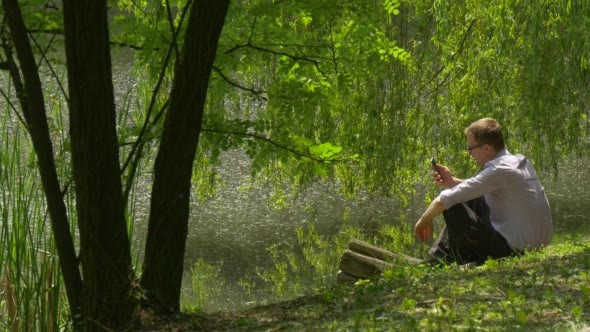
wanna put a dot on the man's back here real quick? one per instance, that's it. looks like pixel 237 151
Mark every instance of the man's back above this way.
pixel 519 209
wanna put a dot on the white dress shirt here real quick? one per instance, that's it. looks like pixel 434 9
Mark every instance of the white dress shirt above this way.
pixel 519 209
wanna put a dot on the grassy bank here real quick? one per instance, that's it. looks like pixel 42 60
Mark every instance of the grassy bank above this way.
pixel 545 290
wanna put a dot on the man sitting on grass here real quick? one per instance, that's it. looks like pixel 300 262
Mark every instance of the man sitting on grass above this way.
pixel 500 212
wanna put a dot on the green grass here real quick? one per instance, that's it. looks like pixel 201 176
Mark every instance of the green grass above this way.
pixel 545 290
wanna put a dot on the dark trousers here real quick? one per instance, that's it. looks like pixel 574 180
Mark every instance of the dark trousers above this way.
pixel 468 235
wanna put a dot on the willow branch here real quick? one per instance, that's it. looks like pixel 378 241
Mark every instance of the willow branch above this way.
pixel 276 144
pixel 460 49
pixel 249 44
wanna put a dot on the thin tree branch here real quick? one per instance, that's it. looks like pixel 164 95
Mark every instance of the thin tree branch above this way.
pixel 53 72
pixel 249 44
pixel 300 46
pixel 131 46
pixel 267 50
pixel 134 154
pixel 258 137
pixel 460 49
pixel 146 122
pixel 10 65
pixel 332 48
pixel 258 93
pixel 172 29
pixel 59 32
pixel 32 104
pixel 18 115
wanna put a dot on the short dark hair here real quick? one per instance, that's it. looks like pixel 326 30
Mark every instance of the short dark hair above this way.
pixel 487 131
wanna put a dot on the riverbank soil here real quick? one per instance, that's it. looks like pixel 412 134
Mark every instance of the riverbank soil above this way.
pixel 268 317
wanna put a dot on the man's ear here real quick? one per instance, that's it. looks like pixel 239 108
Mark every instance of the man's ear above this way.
pixel 490 149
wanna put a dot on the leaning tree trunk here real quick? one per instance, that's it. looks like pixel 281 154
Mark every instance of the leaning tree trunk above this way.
pixel 104 243
pixel 168 223
pixel 30 95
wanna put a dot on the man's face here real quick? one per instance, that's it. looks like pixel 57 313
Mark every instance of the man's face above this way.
pixel 482 153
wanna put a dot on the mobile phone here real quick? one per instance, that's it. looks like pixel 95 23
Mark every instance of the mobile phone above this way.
pixel 433 162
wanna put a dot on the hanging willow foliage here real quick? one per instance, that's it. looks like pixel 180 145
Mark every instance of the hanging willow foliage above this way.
pixel 395 87
pixel 526 64
pixel 366 91
pixel 391 83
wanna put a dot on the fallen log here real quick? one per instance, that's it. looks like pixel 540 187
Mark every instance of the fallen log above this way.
pixel 367 249
pixel 361 266
pixel 362 261
pixel 344 277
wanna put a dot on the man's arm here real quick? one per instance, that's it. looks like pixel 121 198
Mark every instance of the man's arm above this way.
pixel 424 227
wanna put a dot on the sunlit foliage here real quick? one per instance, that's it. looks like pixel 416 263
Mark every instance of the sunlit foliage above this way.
pixel 389 83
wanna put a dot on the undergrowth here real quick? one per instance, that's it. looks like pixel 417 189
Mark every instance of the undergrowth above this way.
pixel 544 290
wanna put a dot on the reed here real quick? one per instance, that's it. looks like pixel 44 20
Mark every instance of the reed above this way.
pixel 32 293
pixel 11 306
pixel 31 299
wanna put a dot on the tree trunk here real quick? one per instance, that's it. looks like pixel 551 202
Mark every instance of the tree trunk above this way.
pixel 104 244
pixel 168 223
pixel 32 102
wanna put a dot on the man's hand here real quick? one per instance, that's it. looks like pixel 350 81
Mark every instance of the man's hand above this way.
pixel 444 178
pixel 424 229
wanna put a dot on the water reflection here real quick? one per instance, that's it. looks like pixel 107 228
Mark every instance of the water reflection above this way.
pixel 235 228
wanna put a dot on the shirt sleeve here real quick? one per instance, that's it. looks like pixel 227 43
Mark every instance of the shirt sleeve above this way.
pixel 484 182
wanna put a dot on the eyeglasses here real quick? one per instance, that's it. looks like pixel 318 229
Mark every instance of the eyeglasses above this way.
pixel 469 148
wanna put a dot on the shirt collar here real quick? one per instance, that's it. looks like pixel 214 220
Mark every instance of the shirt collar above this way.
pixel 497 158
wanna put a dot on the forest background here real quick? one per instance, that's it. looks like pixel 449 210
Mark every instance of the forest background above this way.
pixel 359 93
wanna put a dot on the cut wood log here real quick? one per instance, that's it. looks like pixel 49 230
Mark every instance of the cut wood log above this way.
pixel 362 260
pixel 343 277
pixel 361 266
pixel 379 253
